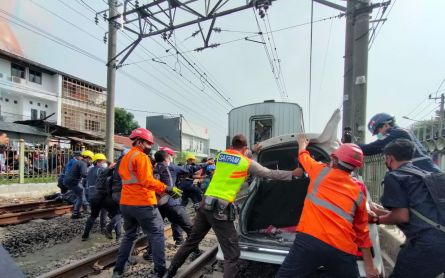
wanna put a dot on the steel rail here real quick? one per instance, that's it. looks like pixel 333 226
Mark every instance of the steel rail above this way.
pixel 206 258
pixel 95 263
pixel 13 208
pixel 21 217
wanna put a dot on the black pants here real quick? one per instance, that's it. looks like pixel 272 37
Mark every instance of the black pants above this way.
pixel 421 257
pixel 190 191
pixel 98 203
pixel 308 253
pixel 225 233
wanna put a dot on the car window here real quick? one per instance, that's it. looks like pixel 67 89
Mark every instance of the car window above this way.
pixel 286 158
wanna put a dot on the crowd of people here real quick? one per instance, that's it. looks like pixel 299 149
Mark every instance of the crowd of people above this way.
pixel 142 191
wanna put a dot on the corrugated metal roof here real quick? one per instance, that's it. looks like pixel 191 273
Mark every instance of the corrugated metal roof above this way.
pixel 23 129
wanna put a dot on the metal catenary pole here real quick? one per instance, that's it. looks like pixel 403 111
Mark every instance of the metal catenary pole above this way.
pixel 111 81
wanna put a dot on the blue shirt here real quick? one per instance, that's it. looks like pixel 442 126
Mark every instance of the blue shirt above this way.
pixel 405 190
pixel 76 173
pixel 420 157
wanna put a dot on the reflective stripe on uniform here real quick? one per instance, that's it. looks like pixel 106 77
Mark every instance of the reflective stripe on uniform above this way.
pixel 133 178
pixel 329 206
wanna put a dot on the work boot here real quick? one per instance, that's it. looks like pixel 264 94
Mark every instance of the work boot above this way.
pixel 195 254
pixel 160 274
pixel 171 271
pixel 148 256
pixel 117 274
pixel 107 234
pixel 76 216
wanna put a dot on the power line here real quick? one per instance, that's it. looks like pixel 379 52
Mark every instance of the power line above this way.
pixel 268 56
pixel 374 36
pixel 325 59
pixel 92 56
pixel 202 75
pixel 66 21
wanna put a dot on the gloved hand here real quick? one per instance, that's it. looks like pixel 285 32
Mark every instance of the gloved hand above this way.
pixel 175 192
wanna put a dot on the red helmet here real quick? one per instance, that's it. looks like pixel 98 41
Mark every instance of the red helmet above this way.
pixel 167 150
pixel 351 154
pixel 143 134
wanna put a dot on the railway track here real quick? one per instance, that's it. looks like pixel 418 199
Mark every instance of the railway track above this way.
pixel 95 263
pixel 21 213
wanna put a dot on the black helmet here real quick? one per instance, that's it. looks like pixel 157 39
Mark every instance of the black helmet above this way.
pixel 378 120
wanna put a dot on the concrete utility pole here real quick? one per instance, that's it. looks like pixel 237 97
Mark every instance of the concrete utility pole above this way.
pixel 360 69
pixel 347 76
pixel 111 81
pixel 442 98
pixel 441 111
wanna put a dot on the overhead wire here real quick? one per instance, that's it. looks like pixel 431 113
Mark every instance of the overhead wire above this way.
pixel 202 75
pixel 173 80
pixel 277 57
pixel 268 56
pixel 377 30
pixel 325 59
pixel 92 56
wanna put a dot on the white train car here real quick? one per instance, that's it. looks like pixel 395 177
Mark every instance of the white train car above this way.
pixel 261 121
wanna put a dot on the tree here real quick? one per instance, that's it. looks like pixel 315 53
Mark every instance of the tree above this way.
pixel 124 121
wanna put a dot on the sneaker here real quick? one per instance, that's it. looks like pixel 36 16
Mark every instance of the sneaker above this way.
pixel 107 234
pixel 148 256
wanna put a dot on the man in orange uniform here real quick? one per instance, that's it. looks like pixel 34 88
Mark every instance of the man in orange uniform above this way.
pixel 138 202
pixel 334 222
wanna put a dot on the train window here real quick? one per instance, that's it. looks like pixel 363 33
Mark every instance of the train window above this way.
pixel 261 129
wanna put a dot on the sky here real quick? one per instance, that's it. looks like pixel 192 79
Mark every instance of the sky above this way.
pixel 406 60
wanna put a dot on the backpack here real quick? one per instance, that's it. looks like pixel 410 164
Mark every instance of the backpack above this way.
pixel 435 184
pixel 102 181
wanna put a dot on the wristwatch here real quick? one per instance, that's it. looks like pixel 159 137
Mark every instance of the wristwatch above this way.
pixel 375 220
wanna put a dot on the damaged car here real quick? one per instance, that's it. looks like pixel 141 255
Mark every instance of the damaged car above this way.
pixel 272 209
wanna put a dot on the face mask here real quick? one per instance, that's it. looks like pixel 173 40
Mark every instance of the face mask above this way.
pixel 380 136
pixel 104 165
pixel 147 151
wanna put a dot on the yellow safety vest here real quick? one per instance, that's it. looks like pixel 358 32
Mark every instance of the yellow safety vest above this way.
pixel 231 172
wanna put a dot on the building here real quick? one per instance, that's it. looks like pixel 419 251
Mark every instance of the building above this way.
pixel 180 134
pixel 31 91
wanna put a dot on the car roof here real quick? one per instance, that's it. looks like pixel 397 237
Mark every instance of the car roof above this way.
pixel 291 140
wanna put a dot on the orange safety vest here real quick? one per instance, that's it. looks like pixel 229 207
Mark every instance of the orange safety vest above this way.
pixel 139 187
pixel 335 208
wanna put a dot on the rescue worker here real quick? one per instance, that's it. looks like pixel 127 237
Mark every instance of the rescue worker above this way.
pixel 190 191
pixel 384 126
pixel 99 162
pixel 334 222
pixel 60 182
pixel 138 202
pixel 411 207
pixel 217 211
pixel 169 207
pixel 73 180
pixel 101 204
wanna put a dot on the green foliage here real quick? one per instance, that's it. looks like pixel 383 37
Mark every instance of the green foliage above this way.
pixel 180 157
pixel 124 122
